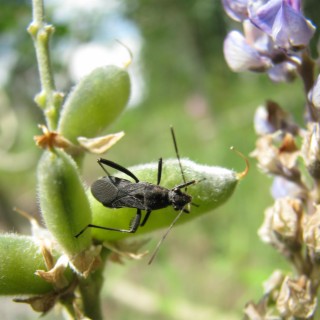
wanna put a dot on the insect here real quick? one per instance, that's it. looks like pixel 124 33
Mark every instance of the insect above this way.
pixel 114 192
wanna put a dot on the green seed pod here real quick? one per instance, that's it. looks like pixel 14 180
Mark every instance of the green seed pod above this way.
pixel 94 103
pixel 20 258
pixel 63 200
pixel 215 186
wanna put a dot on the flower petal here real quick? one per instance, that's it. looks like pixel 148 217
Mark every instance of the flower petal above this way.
pixel 291 29
pixel 263 13
pixel 240 56
pixel 236 9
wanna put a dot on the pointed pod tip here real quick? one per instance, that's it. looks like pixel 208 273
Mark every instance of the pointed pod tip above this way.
pixel 241 175
pixel 127 63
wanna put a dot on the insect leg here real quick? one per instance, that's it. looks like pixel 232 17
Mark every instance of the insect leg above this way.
pixel 159 171
pixel 116 166
pixel 132 228
pixel 135 222
pixel 146 217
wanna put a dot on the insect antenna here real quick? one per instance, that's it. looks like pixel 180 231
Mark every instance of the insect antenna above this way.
pixel 179 161
pixel 177 154
pixel 184 185
pixel 164 236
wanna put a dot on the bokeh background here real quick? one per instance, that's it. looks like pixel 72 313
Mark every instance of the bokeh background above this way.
pixel 207 269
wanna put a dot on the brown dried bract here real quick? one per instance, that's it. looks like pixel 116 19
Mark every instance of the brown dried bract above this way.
pixel 100 145
pixel 121 250
pixel 51 139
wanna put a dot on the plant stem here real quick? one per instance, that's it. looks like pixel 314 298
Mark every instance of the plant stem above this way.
pixel 48 99
pixel 90 289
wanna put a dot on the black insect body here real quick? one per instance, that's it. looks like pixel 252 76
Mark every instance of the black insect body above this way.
pixel 114 192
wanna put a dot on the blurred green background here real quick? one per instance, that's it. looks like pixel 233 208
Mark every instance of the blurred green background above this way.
pixel 207 269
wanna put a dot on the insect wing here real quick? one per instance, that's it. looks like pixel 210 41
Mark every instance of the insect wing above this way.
pixel 106 189
pixel 131 196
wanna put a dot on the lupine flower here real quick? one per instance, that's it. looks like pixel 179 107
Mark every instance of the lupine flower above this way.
pixel 274 31
pixel 236 9
pixel 275 40
pixel 283 21
pixel 282 72
pixel 255 51
pixel 242 56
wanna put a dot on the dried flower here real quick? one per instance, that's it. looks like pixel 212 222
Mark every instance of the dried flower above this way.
pixel 296 298
pixel 255 311
pixel 310 149
pixel 311 234
pixel 122 249
pixel 274 282
pixel 270 118
pixel 280 160
pixel 100 145
pixel 282 188
pixel 314 94
pixel 281 226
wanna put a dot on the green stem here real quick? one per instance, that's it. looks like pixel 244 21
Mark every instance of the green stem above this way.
pixel 48 99
pixel 90 289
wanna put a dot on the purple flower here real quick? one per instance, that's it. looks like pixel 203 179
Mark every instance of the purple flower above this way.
pixel 283 21
pixel 236 9
pixel 274 32
pixel 282 72
pixel 241 55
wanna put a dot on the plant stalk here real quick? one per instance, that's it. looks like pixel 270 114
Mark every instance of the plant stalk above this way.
pixel 48 98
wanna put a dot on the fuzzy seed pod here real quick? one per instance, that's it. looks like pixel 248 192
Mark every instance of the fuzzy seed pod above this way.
pixel 94 103
pixel 20 258
pixel 215 186
pixel 63 200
